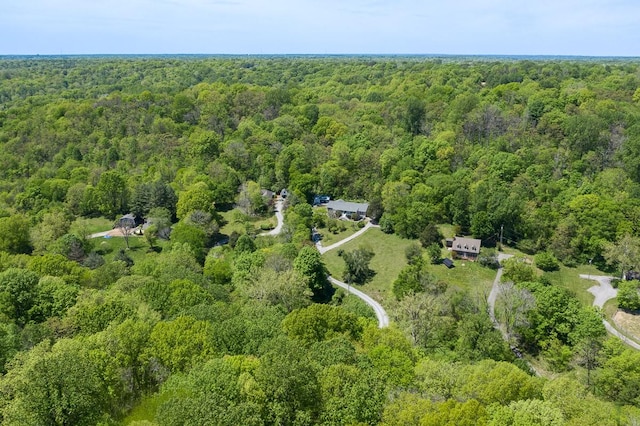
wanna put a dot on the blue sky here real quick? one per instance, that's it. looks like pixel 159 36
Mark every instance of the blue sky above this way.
pixel 509 27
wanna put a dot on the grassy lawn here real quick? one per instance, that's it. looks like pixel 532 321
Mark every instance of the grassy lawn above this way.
pixel 389 259
pixel 146 409
pixel 238 221
pixel 93 225
pixel 138 247
pixel 329 238
pixel 569 278
pixel 467 275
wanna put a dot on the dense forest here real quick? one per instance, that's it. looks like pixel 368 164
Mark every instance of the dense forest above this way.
pixel 203 321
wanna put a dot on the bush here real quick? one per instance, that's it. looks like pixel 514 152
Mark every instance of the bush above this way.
pixel 431 235
pixel 546 261
pixel 628 297
pixel 413 253
pixel 386 224
pixel 488 257
pixel 517 270
pixel 434 252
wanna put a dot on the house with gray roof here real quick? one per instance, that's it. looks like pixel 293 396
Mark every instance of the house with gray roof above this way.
pixel 349 209
pixel 465 248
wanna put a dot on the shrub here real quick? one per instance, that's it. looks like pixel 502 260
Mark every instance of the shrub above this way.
pixel 386 224
pixel 628 297
pixel 488 257
pixel 546 261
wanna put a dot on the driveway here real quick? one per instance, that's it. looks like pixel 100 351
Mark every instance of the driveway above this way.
pixel 279 217
pixel 381 314
pixel 323 250
pixel 602 292
pixel 495 290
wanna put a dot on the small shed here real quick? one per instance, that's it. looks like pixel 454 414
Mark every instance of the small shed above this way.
pixel 448 263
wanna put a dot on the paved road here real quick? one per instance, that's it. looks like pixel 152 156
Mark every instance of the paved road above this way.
pixel 323 250
pixel 381 314
pixel 279 217
pixel 604 292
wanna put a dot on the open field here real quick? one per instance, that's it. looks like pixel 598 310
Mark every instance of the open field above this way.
pixel 329 238
pixel 138 247
pixel 466 275
pixel 92 225
pixel 389 259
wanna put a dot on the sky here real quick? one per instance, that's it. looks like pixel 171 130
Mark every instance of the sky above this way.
pixel 453 27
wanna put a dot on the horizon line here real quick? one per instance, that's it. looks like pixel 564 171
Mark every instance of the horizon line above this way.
pixel 319 55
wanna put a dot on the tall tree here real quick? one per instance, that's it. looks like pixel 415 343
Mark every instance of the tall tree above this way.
pixel 357 269
pixel 112 193
pixel 309 264
pixel 625 253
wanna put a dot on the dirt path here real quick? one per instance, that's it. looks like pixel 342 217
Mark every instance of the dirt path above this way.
pixel 493 295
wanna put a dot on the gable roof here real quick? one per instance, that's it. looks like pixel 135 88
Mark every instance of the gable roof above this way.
pixel 347 206
pixel 466 245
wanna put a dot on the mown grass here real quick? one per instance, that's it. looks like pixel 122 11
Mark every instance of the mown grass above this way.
pixel 93 225
pixel 389 259
pixel 387 262
pixel 138 247
pixel 569 278
pixel 329 238
pixel 466 275
pixel 239 222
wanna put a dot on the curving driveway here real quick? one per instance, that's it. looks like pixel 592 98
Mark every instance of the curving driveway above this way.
pixel 323 250
pixel 604 292
pixel 279 217
pixel 381 314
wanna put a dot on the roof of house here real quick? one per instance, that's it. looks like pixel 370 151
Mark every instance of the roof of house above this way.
pixel 347 206
pixel 467 245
